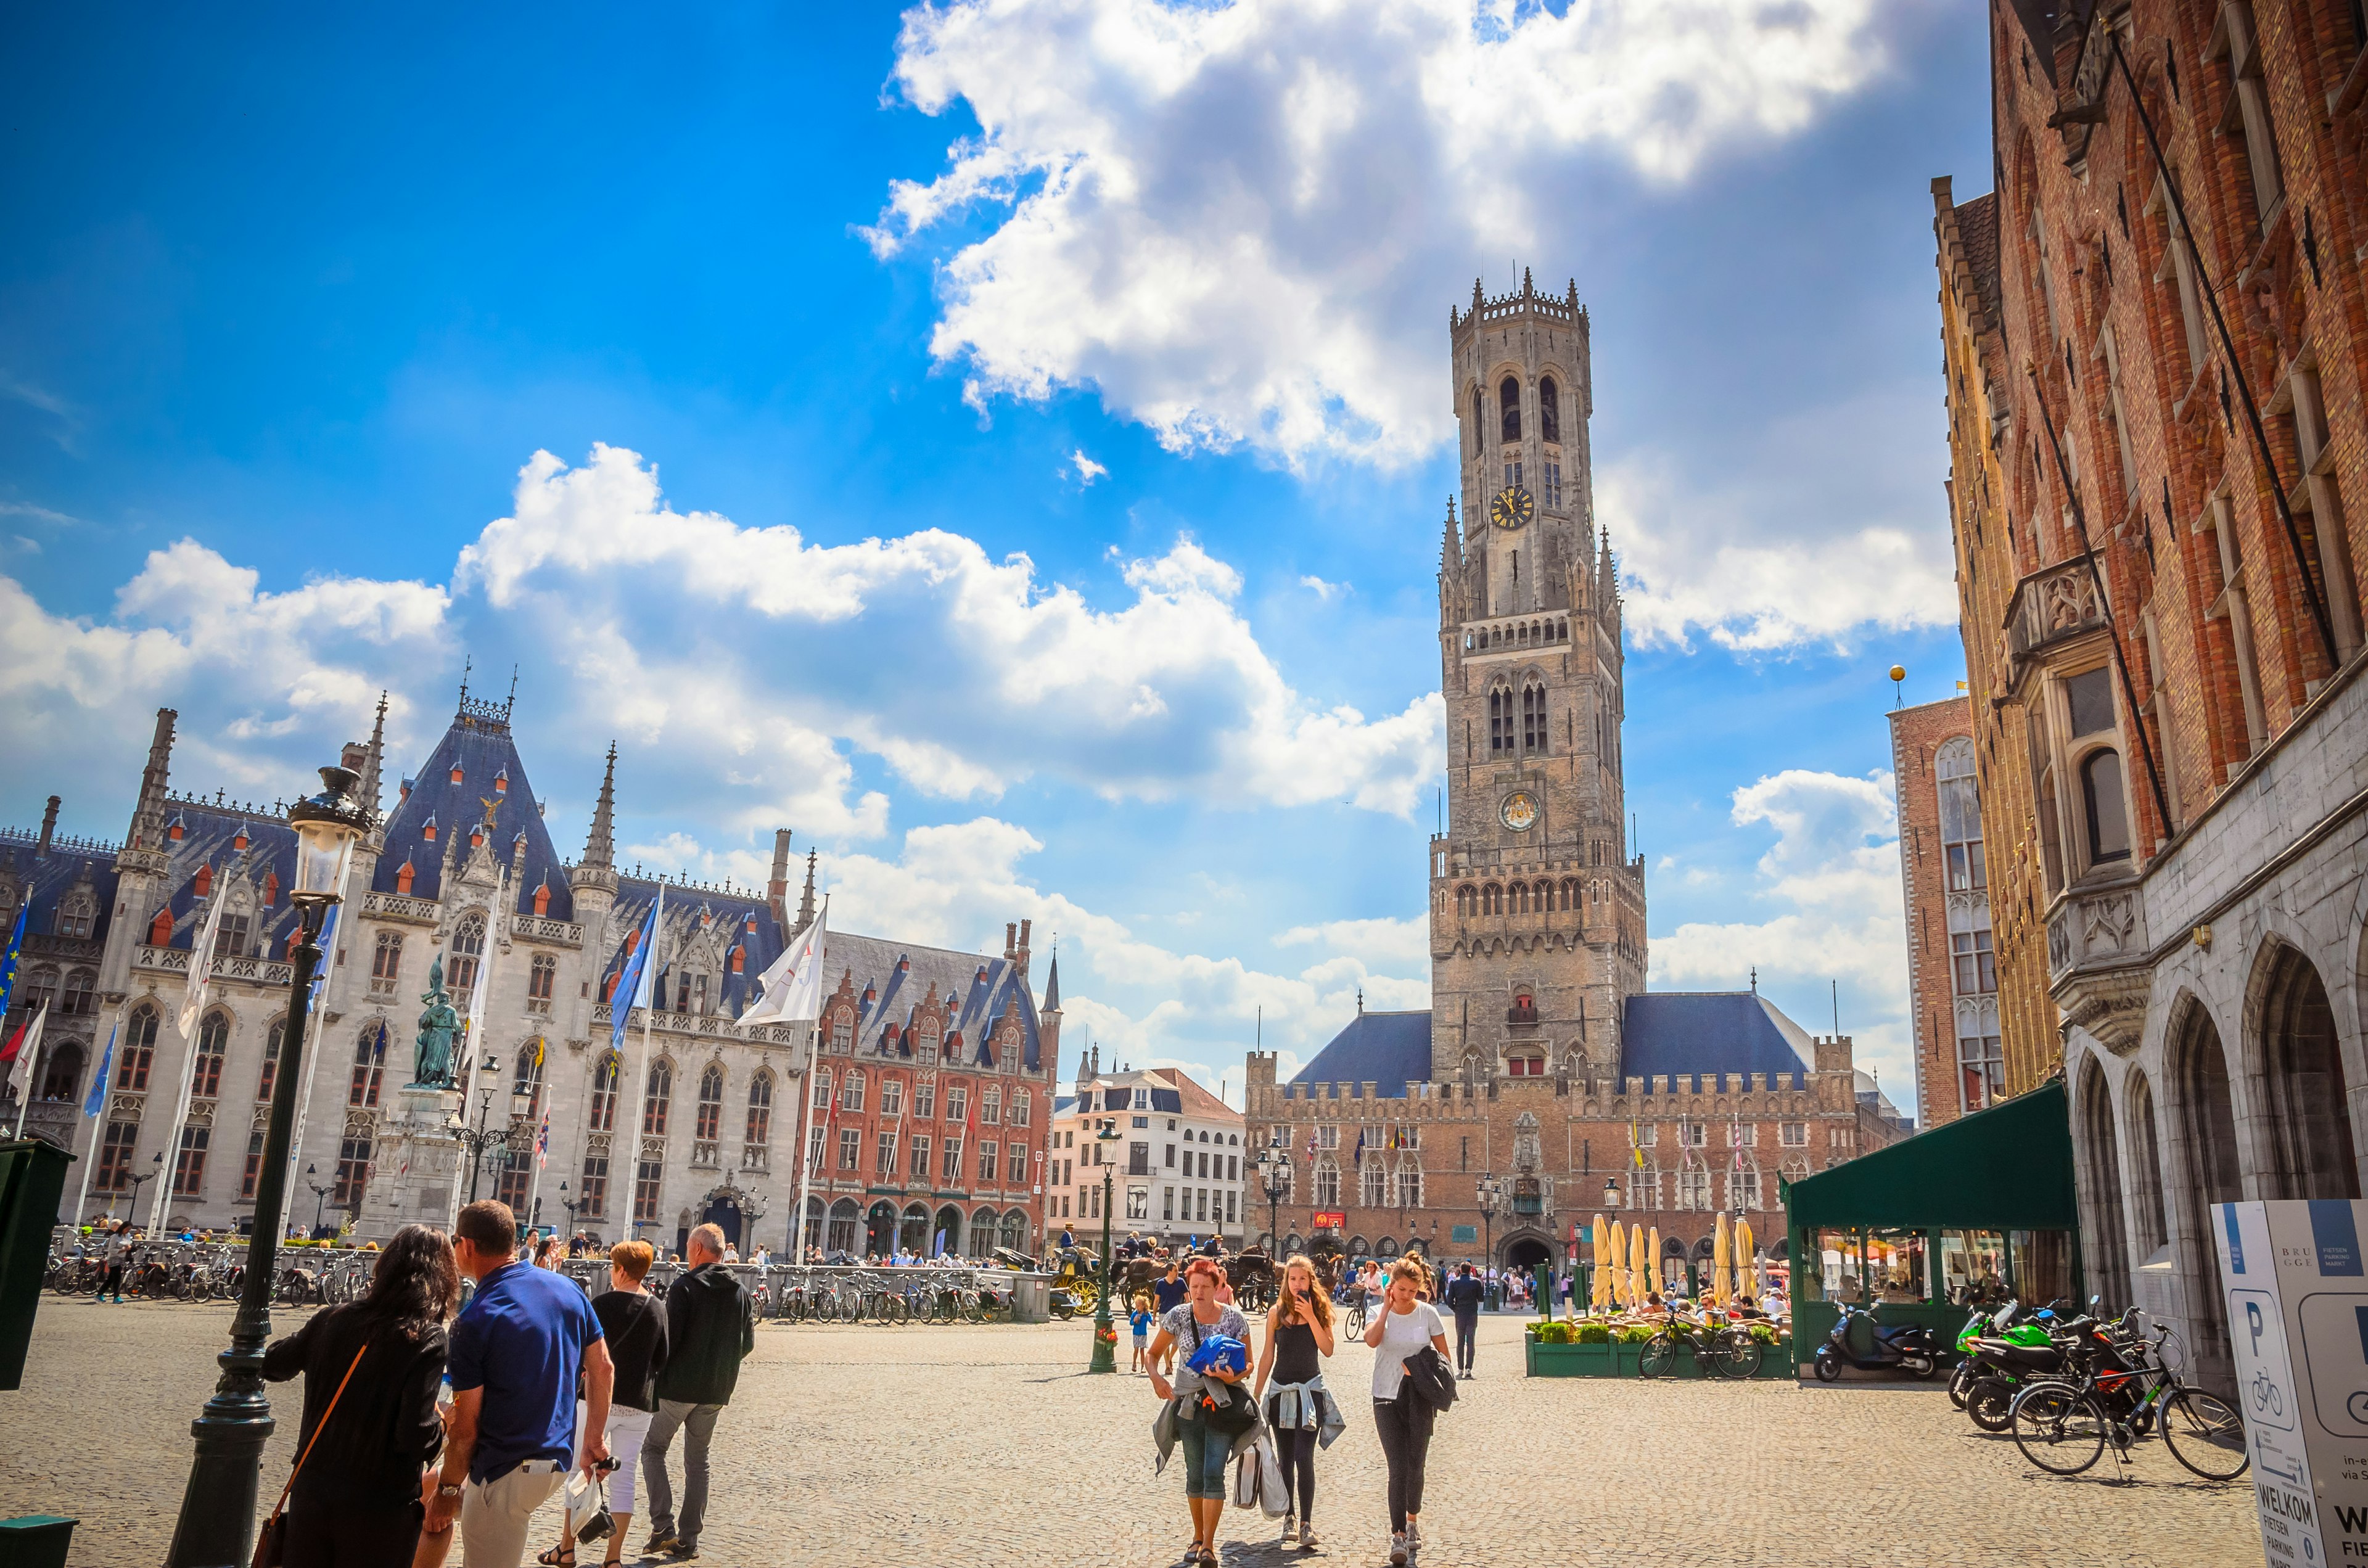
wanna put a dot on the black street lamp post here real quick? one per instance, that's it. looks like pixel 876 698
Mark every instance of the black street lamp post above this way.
pixel 1274 1180
pixel 1105 1359
pixel 478 1140
pixel 159 1158
pixel 320 1196
pixel 216 1528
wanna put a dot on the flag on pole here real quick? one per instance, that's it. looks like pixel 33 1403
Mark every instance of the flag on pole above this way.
pixel 98 1097
pixel 200 982
pixel 543 1139
pixel 10 957
pixel 635 979
pixel 1359 1159
pixel 793 984
pixel 28 1037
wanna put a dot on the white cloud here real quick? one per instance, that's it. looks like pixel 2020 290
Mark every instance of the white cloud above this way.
pixel 1236 220
pixel 1395 944
pixel 1088 470
pixel 1323 590
pixel 1169 695
pixel 1832 881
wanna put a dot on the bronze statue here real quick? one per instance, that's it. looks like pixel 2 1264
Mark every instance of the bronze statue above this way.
pixel 432 1059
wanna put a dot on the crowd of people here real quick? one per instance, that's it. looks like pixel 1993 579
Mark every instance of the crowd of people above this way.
pixel 425 1420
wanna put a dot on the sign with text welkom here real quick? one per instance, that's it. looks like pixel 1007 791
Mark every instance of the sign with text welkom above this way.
pixel 2297 1284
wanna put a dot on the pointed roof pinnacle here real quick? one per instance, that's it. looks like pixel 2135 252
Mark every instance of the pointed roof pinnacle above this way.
pixel 373 757
pixel 1051 1003
pixel 600 847
pixel 806 901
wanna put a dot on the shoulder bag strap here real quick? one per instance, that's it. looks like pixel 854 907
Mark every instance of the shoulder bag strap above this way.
pixel 317 1428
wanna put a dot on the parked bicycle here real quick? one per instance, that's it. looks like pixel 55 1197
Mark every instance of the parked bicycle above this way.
pixel 1719 1349
pixel 2125 1390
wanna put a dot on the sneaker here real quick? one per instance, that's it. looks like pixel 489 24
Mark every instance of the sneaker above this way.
pixel 1397 1547
pixel 682 1551
pixel 1414 1536
pixel 660 1541
pixel 1306 1535
pixel 1289 1523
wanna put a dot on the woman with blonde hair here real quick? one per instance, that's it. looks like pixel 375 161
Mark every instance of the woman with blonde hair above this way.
pixel 1405 1324
pixel 633 1321
pixel 1300 1410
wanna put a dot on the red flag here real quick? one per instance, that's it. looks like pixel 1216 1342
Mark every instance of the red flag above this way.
pixel 16 1044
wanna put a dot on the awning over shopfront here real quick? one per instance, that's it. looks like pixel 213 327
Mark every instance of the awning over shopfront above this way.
pixel 2007 1168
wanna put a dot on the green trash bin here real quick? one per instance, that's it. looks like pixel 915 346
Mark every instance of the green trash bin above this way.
pixel 39 1541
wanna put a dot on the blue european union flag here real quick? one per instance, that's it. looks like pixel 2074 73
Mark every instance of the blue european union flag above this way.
pixel 8 964
pixel 98 1097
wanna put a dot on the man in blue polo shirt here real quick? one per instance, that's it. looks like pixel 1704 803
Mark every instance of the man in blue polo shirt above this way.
pixel 515 1354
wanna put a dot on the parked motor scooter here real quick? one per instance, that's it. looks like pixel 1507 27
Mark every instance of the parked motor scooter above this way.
pixel 1859 1341
pixel 1971 1366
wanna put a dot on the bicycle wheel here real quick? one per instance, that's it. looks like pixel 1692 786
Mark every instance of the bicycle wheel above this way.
pixel 1744 1356
pixel 2203 1434
pixel 1659 1358
pixel 2058 1428
pixel 1712 1352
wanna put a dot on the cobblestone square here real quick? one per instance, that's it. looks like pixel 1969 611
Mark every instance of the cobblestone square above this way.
pixel 938 1446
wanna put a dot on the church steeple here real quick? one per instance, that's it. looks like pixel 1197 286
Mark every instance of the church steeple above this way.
pixel 600 847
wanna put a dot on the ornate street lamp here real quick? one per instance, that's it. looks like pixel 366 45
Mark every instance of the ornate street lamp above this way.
pixel 320 1196
pixel 217 1520
pixel 1489 1191
pixel 159 1158
pixel 478 1141
pixel 1274 1180
pixel 1105 1344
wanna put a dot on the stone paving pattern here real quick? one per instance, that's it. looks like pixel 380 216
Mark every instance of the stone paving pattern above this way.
pixel 943 1446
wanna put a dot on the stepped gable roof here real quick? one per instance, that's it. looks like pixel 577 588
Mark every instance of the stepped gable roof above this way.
pixel 48 877
pixel 201 833
pixel 1681 1033
pixel 1388 1049
pixel 1977 224
pixel 477 745
pixel 898 975
pixel 706 923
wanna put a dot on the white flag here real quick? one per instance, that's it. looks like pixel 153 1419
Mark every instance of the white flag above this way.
pixel 202 968
pixel 793 984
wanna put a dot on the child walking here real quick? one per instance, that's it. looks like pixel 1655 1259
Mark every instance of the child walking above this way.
pixel 1141 1319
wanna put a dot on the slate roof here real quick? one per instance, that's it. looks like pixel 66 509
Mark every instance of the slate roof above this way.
pixel 1384 1049
pixel 1667 1034
pixel 478 745
pixel 706 924
pixel 891 979
pixel 50 878
pixel 1678 1033
pixel 231 842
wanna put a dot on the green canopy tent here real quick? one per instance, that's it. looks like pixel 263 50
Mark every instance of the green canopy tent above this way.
pixel 2004 1172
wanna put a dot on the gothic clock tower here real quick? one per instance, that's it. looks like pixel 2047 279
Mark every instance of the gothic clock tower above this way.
pixel 1537 913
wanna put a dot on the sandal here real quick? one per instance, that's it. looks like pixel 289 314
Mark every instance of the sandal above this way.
pixel 558 1557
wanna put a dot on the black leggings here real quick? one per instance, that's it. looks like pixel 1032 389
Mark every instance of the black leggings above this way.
pixel 1295 1447
pixel 1404 1423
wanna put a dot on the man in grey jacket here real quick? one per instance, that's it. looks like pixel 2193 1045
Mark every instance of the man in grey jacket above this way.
pixel 711 1329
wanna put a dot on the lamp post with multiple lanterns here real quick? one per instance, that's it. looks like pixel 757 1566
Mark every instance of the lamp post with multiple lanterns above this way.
pixel 217 1519
pixel 1274 1180
pixel 1105 1339
pixel 478 1141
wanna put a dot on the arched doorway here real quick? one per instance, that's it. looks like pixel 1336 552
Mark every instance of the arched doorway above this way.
pixel 946 1232
pixel 2203 1151
pixel 1015 1230
pixel 840 1241
pixel 913 1236
pixel 880 1232
pixel 1527 1252
pixel 724 1210
pixel 2146 1167
pixel 2311 1153
pixel 814 1222
pixel 2101 1157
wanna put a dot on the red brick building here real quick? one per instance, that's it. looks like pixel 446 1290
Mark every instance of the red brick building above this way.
pixel 1944 871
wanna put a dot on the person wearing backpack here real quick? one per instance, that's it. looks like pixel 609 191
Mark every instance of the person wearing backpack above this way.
pixel 1187 1414
pixel 1405 1328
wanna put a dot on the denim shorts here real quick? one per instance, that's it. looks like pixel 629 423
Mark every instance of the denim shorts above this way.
pixel 1205 1454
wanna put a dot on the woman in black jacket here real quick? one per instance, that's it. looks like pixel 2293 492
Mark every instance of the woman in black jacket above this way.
pixel 356 1502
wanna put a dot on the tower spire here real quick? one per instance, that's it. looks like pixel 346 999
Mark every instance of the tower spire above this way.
pixel 148 816
pixel 600 848
pixel 805 900
pixel 374 756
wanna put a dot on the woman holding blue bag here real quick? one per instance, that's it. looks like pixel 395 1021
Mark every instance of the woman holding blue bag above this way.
pixel 1205 1409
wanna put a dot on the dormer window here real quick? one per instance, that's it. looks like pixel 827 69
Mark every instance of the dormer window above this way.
pixel 502 782
pixel 175 830
pixel 403 875
pixel 427 828
pixel 271 888
pixel 542 900
pixel 456 773
pixel 203 884
pixel 238 839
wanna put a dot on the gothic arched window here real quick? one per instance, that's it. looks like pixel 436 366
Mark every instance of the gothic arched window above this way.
pixel 711 1104
pixel 214 1044
pixel 760 1110
pixel 658 1100
pixel 1534 717
pixel 1508 407
pixel 1492 899
pixel 369 1065
pixel 604 1095
pixel 1549 411
pixel 528 1080
pixel 468 947
pixel 1479 422
pixel 139 1049
pixel 1500 720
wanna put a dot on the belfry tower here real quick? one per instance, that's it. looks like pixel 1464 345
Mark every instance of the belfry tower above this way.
pixel 1537 913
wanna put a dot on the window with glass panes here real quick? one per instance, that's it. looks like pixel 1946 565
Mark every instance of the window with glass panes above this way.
pixel 254 1167
pixel 139 1051
pixel 886 1162
pixel 649 1179
pixel 920 1154
pixel 986 1152
pixel 760 1110
pixel 114 1173
pixel 370 1066
pixel 1975 964
pixel 270 1074
pixel 708 1125
pixel 593 1204
pixel 850 1145
pixel 952 1166
pixel 1981 1068
pixel 353 1171
pixel 512 1173
pixel 659 1100
pixel 386 962
pixel 604 1095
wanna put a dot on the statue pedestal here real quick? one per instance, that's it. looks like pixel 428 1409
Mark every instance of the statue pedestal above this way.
pixel 412 1164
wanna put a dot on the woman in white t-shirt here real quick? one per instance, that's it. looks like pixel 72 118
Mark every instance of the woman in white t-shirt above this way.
pixel 1402 1417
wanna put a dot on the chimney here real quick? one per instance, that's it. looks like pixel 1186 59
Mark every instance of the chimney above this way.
pixel 777 891
pixel 1023 964
pixel 49 828
pixel 1011 939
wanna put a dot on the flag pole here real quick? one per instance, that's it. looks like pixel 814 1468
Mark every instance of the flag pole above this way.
pixel 805 1096
pixel 649 977
pixel 479 995
pixel 316 1025
pixel 97 1118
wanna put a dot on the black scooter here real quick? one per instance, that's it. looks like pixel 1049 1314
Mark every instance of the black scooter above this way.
pixel 1859 1341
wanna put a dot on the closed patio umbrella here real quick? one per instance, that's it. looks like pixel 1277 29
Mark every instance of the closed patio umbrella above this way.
pixel 1598 1290
pixel 1639 1268
pixel 1653 1280
pixel 1747 1266
pixel 1619 1265
pixel 1722 1250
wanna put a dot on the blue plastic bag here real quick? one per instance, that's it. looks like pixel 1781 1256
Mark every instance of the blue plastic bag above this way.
pixel 1220 1351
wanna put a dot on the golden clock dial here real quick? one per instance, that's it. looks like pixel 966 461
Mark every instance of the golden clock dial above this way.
pixel 1511 507
pixel 1519 811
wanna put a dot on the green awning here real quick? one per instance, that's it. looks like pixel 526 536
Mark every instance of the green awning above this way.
pixel 2007 1168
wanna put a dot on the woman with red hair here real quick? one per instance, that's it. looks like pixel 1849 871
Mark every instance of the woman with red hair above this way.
pixel 1201 1317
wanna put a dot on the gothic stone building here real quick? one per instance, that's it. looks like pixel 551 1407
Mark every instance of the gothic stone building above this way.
pixel 1540 1062
pixel 721 1106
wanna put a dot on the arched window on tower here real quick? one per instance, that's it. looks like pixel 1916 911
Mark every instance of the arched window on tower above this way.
pixel 1508 407
pixel 1500 720
pixel 657 1098
pixel 1534 717
pixel 1479 422
pixel 604 1095
pixel 710 1124
pixel 1492 899
pixel 1549 411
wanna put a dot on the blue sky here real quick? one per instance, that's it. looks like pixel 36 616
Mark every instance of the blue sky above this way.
pixel 1003 443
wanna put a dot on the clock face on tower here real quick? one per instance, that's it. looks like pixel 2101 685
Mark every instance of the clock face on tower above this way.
pixel 1512 507
pixel 1519 811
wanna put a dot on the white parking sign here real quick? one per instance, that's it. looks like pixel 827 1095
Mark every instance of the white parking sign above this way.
pixel 2297 1301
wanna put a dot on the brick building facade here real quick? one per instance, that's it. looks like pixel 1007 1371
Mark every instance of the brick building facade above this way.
pixel 1953 981
pixel 2156 361
pixel 1542 1084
